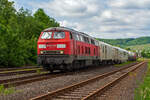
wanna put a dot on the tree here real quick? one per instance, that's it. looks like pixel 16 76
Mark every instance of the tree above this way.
pixel 19 32
pixel 44 20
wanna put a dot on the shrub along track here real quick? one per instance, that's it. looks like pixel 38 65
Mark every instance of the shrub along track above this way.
pixel 87 89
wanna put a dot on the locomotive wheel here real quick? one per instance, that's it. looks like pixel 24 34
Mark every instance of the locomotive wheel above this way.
pixel 49 68
pixel 69 67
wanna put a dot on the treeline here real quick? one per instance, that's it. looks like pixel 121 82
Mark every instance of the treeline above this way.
pixel 127 42
pixel 19 32
pixel 146 53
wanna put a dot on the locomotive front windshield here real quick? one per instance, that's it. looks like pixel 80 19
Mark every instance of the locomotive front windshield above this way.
pixel 59 35
pixel 46 35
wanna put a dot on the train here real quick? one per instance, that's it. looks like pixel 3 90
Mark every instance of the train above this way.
pixel 62 48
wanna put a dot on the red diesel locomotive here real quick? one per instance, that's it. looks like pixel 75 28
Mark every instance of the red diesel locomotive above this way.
pixel 61 48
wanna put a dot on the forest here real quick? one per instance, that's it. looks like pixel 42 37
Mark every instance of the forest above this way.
pixel 127 41
pixel 19 32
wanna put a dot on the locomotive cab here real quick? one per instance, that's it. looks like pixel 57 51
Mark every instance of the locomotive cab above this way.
pixel 54 49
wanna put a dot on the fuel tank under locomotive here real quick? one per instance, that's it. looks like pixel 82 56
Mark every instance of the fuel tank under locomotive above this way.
pixel 54 62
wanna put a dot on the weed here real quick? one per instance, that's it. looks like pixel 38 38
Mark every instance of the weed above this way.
pixel 143 92
pixel 6 91
pixel 38 71
pixel 123 64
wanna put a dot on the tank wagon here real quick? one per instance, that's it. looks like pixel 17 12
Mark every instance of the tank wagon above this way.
pixel 61 48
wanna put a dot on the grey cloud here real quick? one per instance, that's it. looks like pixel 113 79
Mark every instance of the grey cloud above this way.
pixel 101 18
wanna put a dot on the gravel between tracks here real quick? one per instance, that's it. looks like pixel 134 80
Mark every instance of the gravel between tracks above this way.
pixel 124 90
pixel 34 89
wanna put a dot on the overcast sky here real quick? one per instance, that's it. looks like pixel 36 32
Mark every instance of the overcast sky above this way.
pixel 98 18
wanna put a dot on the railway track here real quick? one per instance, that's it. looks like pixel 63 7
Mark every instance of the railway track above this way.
pixel 19 71
pixel 32 78
pixel 28 79
pixel 88 89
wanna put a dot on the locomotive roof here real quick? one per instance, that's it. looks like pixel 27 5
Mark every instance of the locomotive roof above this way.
pixel 74 31
pixel 65 29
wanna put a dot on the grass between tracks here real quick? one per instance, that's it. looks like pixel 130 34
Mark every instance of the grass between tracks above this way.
pixel 6 91
pixel 143 92
pixel 21 70
pixel 125 63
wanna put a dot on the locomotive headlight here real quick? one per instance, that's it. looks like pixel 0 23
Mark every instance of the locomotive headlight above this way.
pixel 42 46
pixel 61 52
pixel 41 52
pixel 61 45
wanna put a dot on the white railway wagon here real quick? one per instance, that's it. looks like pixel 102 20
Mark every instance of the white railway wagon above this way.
pixel 106 52
pixel 121 55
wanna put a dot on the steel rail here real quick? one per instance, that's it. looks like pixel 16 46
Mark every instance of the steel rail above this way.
pixel 18 68
pixel 107 86
pixel 20 71
pixel 29 79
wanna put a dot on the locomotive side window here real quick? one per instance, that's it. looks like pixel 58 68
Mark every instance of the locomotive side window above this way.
pixel 46 35
pixel 59 35
pixel 78 38
pixel 86 39
pixel 92 41
pixel 86 50
pixel 81 37
pixel 78 49
pixel 75 36
pixel 71 37
pixel 82 50
pixel 89 50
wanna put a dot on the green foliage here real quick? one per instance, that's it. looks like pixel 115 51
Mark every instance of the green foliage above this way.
pixel 19 32
pixel 38 71
pixel 146 53
pixel 6 91
pixel 143 92
pixel 127 42
pixel 123 64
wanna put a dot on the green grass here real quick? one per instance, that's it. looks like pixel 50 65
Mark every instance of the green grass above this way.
pixel 38 71
pixel 20 70
pixel 143 92
pixel 6 91
pixel 140 47
pixel 123 64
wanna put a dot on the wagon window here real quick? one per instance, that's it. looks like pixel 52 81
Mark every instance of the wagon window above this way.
pixel 46 35
pixel 103 48
pixel 59 35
